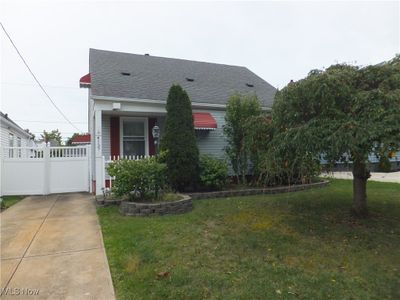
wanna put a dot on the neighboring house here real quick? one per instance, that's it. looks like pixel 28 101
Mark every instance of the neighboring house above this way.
pixel 373 164
pixel 51 143
pixel 81 140
pixel 12 135
pixel 127 97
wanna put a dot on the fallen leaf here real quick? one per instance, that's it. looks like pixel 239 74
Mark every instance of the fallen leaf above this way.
pixel 163 274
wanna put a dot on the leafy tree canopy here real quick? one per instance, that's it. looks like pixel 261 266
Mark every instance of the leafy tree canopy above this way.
pixel 54 135
pixel 343 113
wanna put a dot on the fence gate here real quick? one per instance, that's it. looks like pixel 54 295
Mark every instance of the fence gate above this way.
pixel 42 171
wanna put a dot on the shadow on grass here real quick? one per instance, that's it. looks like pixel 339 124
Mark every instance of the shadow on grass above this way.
pixel 304 243
pixel 328 212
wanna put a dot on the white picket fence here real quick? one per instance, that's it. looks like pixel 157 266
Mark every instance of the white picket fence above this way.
pixel 41 171
pixel 109 159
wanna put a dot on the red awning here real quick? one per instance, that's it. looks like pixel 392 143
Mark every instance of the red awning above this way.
pixel 85 81
pixel 204 121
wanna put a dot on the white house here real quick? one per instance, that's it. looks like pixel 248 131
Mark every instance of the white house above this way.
pixel 12 135
pixel 127 98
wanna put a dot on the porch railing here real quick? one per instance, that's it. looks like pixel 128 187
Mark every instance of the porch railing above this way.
pixel 108 180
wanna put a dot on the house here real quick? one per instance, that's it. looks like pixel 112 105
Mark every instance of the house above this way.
pixel 12 135
pixel 80 139
pixel 51 143
pixel 127 97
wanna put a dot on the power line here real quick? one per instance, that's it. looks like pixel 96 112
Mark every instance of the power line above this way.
pixel 37 81
pixel 62 132
pixel 48 86
pixel 47 122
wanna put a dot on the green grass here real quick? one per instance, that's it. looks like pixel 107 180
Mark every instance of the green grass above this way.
pixel 9 201
pixel 302 245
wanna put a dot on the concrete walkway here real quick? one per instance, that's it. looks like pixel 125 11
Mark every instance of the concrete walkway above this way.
pixel 375 176
pixel 52 246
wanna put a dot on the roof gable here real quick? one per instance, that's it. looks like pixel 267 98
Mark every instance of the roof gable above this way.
pixel 124 75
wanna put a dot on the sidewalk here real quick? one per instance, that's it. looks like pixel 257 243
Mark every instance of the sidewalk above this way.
pixel 52 248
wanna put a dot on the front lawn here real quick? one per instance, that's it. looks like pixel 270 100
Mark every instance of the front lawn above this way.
pixel 301 245
pixel 8 201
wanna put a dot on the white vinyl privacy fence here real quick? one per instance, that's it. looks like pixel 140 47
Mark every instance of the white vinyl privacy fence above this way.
pixel 42 171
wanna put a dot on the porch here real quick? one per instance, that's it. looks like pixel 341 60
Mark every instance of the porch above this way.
pixel 129 135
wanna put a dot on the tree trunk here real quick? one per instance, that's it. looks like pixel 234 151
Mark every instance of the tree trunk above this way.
pixel 361 175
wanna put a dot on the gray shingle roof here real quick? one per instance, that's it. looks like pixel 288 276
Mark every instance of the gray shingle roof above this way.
pixel 151 77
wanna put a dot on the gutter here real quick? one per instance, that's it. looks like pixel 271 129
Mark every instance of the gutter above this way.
pixel 161 102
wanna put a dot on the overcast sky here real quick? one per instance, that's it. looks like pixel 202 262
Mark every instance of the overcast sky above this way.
pixel 279 41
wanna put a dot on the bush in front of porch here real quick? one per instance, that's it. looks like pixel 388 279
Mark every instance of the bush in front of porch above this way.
pixel 179 142
pixel 140 180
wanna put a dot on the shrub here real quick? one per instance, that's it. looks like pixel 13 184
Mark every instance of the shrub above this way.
pixel 145 177
pixel 384 164
pixel 238 112
pixel 213 172
pixel 274 163
pixel 179 141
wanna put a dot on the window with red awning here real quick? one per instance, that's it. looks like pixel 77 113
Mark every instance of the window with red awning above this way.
pixel 204 121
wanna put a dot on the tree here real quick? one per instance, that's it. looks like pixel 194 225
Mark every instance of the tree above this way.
pixel 343 114
pixel 69 141
pixel 28 131
pixel 239 109
pixel 54 135
pixel 179 141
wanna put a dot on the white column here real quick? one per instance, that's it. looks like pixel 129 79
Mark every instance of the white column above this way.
pixel 46 168
pixel 1 170
pixel 89 161
pixel 98 152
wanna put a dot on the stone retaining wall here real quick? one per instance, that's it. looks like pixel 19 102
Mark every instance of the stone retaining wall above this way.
pixel 247 192
pixel 181 206
pixel 156 209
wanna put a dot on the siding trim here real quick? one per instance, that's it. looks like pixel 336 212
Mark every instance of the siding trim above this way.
pixel 114 136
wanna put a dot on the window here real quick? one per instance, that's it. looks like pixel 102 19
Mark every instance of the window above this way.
pixel 10 144
pixel 134 137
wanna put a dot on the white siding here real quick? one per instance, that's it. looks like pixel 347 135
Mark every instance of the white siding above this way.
pixel 213 142
pixel 106 136
pixel 6 130
pixel 4 137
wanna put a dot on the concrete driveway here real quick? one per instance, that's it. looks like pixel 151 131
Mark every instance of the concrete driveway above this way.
pixel 52 248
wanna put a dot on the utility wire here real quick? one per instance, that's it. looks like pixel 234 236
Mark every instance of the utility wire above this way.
pixel 37 81
pixel 47 122
pixel 48 86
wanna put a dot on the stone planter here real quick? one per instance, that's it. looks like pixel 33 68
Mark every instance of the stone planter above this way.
pixel 156 209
